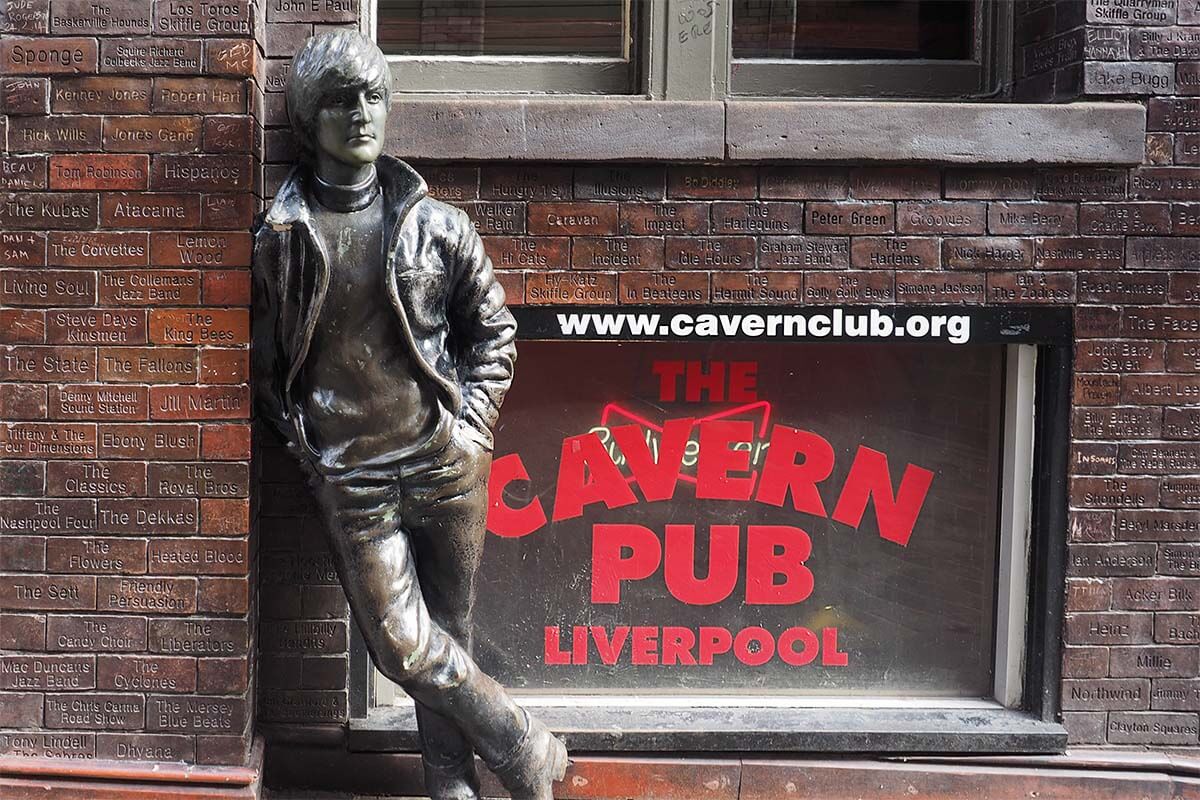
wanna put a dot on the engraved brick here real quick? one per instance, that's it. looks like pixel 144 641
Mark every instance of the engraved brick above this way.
pixel 642 219
pixel 145 747
pixel 312 11
pixel 151 56
pixel 98 402
pixel 45 56
pixel 1103 560
pixel 209 326
pixel 95 711
pixel 849 287
pixel 1106 695
pixel 688 288
pixel 939 287
pixel 1173 113
pixel 1181 423
pixel 200 172
pixel 47 592
pixel 941 217
pixel 1113 492
pixel 719 183
pixel 146 673
pixel 54 134
pixel 95 555
pixel 525 182
pixel 986 183
pixel 41 210
pixel 884 252
pixel 757 218
pixel 497 217
pixel 1081 183
pixel 107 326
pixel 304 706
pixel 1124 218
pixel 226 287
pixel 1183 356
pixel 199 637
pixel 98 249
pixel 526 252
pixel 1092 458
pixel 83 633
pixel 726 252
pixel 1177 628
pixel 188 95
pixel 138 210
pixel 100 95
pixel 175 18
pixel 199 402
pixel 1179 559
pixel 1184 289
pixel 1161 390
pixel 47 440
pixel 1162 252
pixel 769 288
pixel 1128 78
pixel 616 253
pixel 98 171
pixel 44 744
pixel 148 517
pixel 899 183
pixel 303 636
pixel 797 252
pixel 1120 628
pixel 985 252
pixel 47 288
pixel 1088 595
pixel 227 211
pixel 22 172
pixel 34 363
pixel 448 182
pixel 224 366
pixel 1152 728
pixel 228 134
pixel 195 714
pixel 1125 287
pixel 198 557
pixel 1098 355
pixel 230 57
pixel 146 365
pixel 1031 287
pixel 1097 322
pixel 1185 219
pixel 24 96
pixel 804 183
pixel 1157 594
pixel 1181 492
pixel 22 249
pixel 1165 183
pixel 850 218
pixel 1175 694
pixel 618 183
pixel 1169 322
pixel 146 134
pixel 149 288
pixel 100 17
pixel 1187 78
pixel 1155 525
pixel 1032 218
pixel 153 595
pixel 1085 662
pixel 1174 458
pixel 571 288
pixel 142 441
pixel 581 219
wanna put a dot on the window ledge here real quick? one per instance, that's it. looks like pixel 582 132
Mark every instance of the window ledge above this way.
pixel 454 127
pixel 649 728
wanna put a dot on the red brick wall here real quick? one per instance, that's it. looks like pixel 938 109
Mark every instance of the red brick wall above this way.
pixel 127 188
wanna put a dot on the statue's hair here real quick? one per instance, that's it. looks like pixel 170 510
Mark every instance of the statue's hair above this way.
pixel 329 63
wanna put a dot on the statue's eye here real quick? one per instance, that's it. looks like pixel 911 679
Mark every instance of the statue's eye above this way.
pixel 375 97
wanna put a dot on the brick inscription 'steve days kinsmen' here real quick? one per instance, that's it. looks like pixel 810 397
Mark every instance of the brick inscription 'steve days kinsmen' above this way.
pixel 391 423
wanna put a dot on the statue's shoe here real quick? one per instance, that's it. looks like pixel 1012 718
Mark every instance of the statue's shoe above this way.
pixel 539 761
pixel 458 782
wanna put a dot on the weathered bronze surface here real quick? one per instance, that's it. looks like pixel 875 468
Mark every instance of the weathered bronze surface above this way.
pixel 382 352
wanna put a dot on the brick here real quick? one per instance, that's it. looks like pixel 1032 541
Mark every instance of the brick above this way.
pixel 22 172
pixel 1124 287
pixel 579 219
pixel 1088 595
pixel 95 711
pixel 53 134
pixel 99 171
pixel 146 365
pixel 145 747
pixel 804 183
pixel 98 249
pixel 149 210
pixel 146 595
pixel 1152 728
pixel 100 95
pixel 1165 183
pixel 1175 694
pixel 1105 695
pixel 1081 183
pixel 1184 289
pixel 987 183
pixel 190 95
pixel 222 675
pixel 41 210
pixel 1124 218
pixel 227 211
pixel 619 183
pixel 959 218
pixel 1097 355
pixel 1159 148
pixel 149 288
pixel 757 218
pixel 199 402
pixel 45 56
pixel 687 288
pixel 224 517
pixel 803 252
pixel 24 96
pixel 1187 78
pixel 22 478
pixel 224 595
pixel 98 402
pixel 1181 423
pixel 1031 287
pixel 1185 219
pixel 230 57
pixel 86 633
pixel 146 673
pixel 95 478
pixel 1092 458
pixel 151 56
pixel 1161 252
pixel 23 632
pixel 195 714
pixel 895 183
pixel 1170 458
pixel 1085 727
pixel 525 252
pixel 712 182
pixel 1102 560
pixel 225 441
pixel 1177 628
pixel 449 182
pixel 939 288
pixel 147 134
pixel 200 173
pixel 201 636
pixel 975 253
pixel 23 401
pixel 208 326
pixel 34 363
pixel 1161 322
pixel 849 287
pixel 198 557
pixel 1183 357
pixel 1157 594
pixel 303 636
pixel 1181 492
pixel 726 252
pixel 100 17
pixel 1187 148
pixel 231 287
pixel 1097 322
pixel 1179 559
pixel 1161 390
pixel 1155 525
pixel 141 441
pixel 849 218
pixel 498 218
pixel 513 284
pixel 85 326
pixel 158 517
pixel 224 366
pixel 657 219
pixel 1119 628
pixel 47 440
pixel 616 253
pixel 1085 662
pixel 1113 492
pixel 47 288
pixel 228 134
pixel 525 182
pixel 22 249
pixel 47 592
pixel 96 556
pixel 1173 114
pixel 571 288
pixel 172 18
pixel 23 554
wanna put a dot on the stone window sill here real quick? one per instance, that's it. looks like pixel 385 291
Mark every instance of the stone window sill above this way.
pixel 631 129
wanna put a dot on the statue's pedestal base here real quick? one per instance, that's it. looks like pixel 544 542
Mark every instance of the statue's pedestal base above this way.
pixel 89 779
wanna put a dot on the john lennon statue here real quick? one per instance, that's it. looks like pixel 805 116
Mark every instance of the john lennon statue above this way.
pixel 383 350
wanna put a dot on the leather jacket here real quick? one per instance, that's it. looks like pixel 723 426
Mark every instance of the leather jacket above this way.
pixel 450 305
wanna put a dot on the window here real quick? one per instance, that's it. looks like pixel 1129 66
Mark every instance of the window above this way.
pixel 696 49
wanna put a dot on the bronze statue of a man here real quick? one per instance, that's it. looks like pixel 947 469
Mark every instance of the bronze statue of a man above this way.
pixel 382 352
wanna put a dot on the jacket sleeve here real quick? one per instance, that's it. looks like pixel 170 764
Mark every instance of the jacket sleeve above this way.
pixel 265 358
pixel 484 329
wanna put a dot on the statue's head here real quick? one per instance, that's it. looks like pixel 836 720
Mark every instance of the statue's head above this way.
pixel 338 95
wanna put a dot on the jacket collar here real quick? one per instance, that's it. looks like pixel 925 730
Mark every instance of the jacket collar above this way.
pixel 402 189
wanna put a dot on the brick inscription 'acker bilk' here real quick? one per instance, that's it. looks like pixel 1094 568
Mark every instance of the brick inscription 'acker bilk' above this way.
pixel 383 350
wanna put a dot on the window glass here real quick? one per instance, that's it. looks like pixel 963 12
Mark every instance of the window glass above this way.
pixel 853 29
pixel 596 28
pixel 599 576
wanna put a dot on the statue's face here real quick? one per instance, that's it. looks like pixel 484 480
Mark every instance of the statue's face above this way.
pixel 350 129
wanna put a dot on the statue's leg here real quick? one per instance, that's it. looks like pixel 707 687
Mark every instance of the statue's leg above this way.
pixel 376 564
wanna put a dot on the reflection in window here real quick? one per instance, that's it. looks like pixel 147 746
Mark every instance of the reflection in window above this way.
pixel 591 28
pixel 854 29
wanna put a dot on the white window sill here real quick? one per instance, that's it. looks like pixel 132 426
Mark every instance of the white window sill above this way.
pixel 453 127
